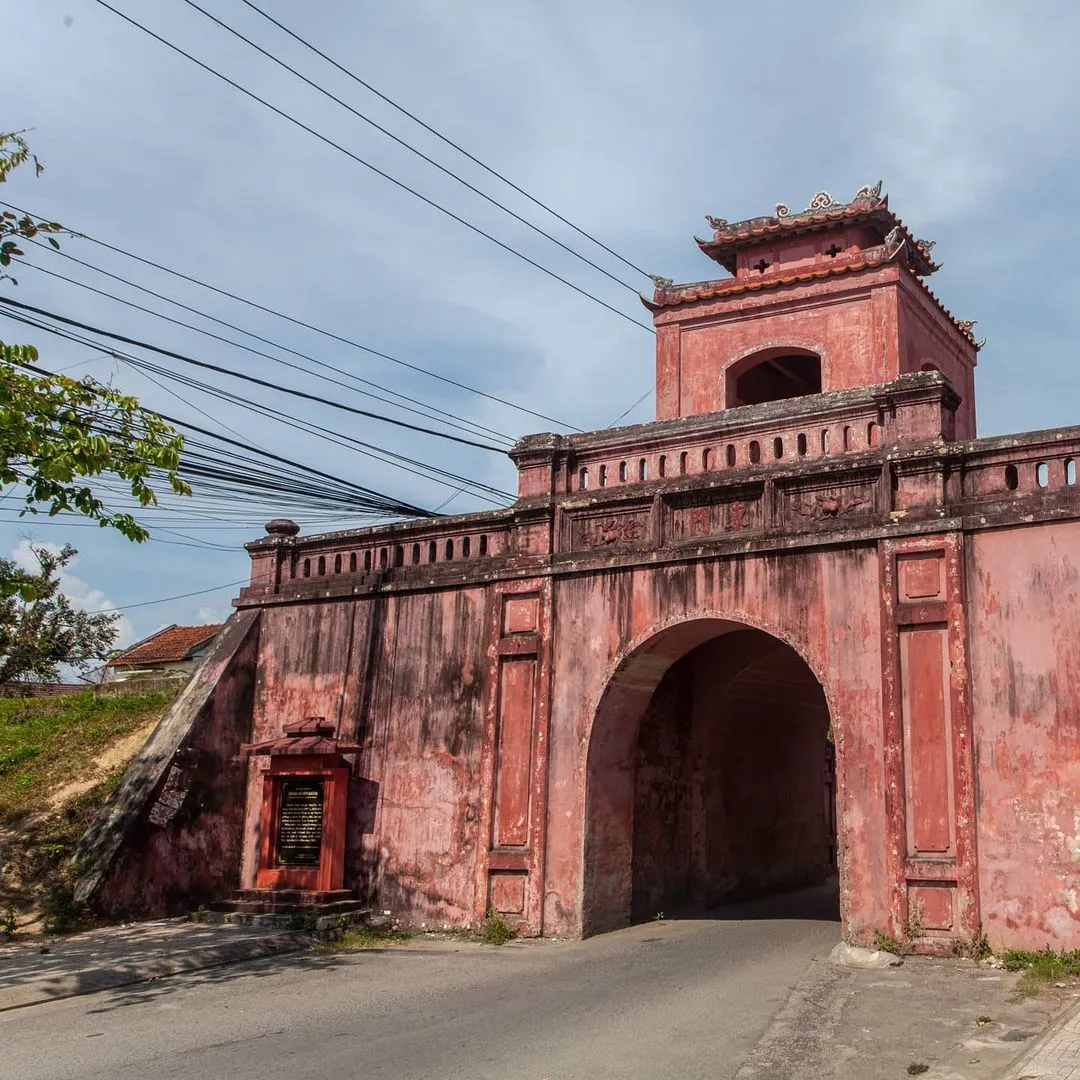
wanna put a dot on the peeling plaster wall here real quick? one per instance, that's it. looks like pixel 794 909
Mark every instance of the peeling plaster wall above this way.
pixel 843 335
pixel 1024 595
pixel 403 674
pixel 926 337
pixel 824 603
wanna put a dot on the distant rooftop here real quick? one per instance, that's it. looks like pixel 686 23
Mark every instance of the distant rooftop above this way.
pixel 171 645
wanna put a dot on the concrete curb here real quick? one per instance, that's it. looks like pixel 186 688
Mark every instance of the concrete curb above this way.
pixel 1054 1054
pixel 92 980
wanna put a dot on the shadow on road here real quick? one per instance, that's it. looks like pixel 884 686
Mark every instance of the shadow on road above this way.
pixel 816 903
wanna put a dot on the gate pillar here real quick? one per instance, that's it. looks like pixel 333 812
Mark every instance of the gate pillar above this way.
pixel 510 852
pixel 929 794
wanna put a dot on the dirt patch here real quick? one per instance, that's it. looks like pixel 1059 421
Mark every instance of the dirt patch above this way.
pixel 117 756
pixel 38 835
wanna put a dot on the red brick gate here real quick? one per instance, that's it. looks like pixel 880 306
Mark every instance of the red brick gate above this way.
pixel 614 695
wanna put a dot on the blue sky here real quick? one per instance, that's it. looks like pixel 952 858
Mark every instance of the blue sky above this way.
pixel 632 120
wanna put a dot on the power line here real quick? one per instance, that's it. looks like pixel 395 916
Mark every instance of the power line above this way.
pixel 255 305
pixel 400 461
pixel 375 169
pixel 238 478
pixel 179 596
pixel 405 144
pixel 427 412
pixel 631 409
pixel 443 138
pixel 258 337
pixel 192 541
pixel 292 392
pixel 389 457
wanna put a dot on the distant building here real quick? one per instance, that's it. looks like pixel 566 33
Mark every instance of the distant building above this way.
pixel 173 651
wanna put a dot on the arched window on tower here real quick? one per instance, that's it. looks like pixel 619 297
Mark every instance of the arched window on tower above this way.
pixel 772 375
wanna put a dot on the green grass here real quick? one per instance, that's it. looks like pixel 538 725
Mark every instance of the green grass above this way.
pixel 45 742
pixel 1041 968
pixel 887 943
pixel 363 937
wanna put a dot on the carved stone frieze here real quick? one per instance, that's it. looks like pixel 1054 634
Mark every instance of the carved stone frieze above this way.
pixel 172 796
pixel 615 528
pixel 724 516
pixel 805 505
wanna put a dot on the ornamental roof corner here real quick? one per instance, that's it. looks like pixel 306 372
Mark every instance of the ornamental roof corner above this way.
pixel 868 206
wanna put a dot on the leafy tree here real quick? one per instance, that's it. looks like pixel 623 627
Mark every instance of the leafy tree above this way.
pixel 58 434
pixel 39 634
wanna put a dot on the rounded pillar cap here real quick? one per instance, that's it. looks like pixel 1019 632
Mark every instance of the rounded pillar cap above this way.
pixel 282 527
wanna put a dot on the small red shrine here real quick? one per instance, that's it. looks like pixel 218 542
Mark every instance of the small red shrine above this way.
pixel 616 695
pixel 302 816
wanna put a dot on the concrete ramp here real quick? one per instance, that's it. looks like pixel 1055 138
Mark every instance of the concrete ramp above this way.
pixel 169 838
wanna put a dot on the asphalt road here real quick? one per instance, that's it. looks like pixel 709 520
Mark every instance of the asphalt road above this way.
pixel 684 998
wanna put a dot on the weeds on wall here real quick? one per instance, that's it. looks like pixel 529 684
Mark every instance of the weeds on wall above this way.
pixel 495 929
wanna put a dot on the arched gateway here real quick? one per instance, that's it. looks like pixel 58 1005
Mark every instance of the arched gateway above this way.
pixel 709 775
pixel 615 695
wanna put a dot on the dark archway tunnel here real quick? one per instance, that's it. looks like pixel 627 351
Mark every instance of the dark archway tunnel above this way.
pixel 710 777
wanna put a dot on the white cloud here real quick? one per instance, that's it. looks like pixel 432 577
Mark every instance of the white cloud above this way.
pixel 209 615
pixel 631 125
pixel 83 597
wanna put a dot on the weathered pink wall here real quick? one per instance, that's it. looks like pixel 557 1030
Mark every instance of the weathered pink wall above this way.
pixel 825 604
pixel 926 337
pixel 413 666
pixel 846 334
pixel 1024 595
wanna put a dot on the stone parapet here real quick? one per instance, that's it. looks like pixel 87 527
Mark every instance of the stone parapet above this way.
pixel 888 466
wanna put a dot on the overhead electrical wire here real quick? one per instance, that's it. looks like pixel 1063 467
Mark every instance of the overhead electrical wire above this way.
pixel 60 520
pixel 405 144
pixel 622 415
pixel 375 169
pixel 423 469
pixel 329 334
pixel 427 412
pixel 291 391
pixel 219 468
pixel 443 138
pixel 166 599
pixel 258 337
pixel 408 464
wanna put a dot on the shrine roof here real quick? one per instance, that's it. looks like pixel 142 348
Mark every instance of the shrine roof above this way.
pixel 868 207
pixel 891 250
pixel 314 736
pixel 171 645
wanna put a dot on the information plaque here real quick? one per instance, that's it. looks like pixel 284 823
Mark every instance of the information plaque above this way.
pixel 300 822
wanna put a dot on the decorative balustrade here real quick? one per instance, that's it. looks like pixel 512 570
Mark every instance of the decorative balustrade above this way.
pixel 710 455
pixel 283 561
pixel 1042 461
pixel 764 476
pixel 914 408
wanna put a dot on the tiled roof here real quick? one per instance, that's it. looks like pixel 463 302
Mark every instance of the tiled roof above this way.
pixel 668 296
pixel 868 206
pixel 170 645
pixel 673 295
pixel 312 736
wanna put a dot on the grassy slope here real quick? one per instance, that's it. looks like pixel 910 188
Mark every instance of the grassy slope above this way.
pixel 45 745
